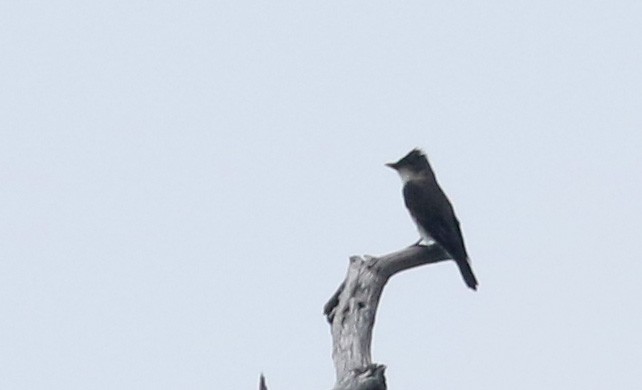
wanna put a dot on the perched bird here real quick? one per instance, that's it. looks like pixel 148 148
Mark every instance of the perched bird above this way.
pixel 431 210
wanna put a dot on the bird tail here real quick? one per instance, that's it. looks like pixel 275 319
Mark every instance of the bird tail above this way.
pixel 467 273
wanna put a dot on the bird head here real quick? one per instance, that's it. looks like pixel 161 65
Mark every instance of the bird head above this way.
pixel 412 165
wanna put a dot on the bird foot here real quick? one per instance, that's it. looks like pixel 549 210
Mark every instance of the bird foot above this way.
pixel 416 243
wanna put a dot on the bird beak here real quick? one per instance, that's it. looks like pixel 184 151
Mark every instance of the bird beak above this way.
pixel 392 165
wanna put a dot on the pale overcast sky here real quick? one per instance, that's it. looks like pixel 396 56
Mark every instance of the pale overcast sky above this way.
pixel 182 184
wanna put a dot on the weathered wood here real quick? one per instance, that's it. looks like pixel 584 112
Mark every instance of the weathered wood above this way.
pixel 352 309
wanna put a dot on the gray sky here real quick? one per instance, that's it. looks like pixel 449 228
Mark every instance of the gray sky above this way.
pixel 182 185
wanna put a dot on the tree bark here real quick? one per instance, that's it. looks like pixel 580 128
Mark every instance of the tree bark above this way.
pixel 352 309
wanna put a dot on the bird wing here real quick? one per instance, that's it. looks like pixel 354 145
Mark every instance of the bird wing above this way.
pixel 432 210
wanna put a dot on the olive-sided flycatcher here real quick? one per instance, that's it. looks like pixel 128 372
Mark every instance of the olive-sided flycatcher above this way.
pixel 431 210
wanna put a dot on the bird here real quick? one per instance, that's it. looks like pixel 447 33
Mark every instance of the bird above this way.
pixel 431 210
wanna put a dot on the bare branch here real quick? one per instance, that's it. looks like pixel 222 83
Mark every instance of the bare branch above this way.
pixel 262 385
pixel 352 309
pixel 411 257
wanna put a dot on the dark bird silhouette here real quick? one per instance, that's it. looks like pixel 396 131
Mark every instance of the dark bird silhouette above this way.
pixel 431 210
